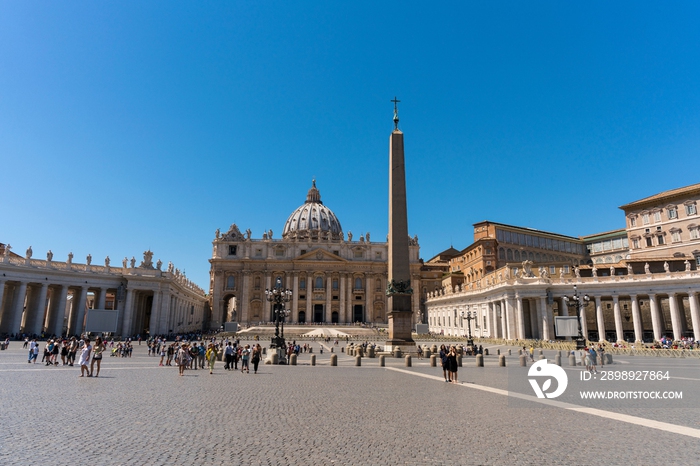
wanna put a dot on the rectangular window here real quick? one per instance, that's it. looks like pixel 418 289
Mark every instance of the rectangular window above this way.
pixel 302 252
pixel 672 213
pixel 302 283
pixel 337 253
pixel 694 233
pixel 378 256
pixel 635 244
pixel 258 253
pixel 617 244
pixel 566 269
pixel 597 247
pixel 279 252
pixel 549 244
pixel 676 236
pixel 645 219
pixel 232 250
pixel 633 221
pixel 657 216
pixel 552 270
pixel 649 242
pixel 660 240
pixel 357 254
pixel 690 209
pixel 607 245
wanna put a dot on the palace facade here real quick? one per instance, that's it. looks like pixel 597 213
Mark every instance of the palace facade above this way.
pixel 335 278
pixel 643 281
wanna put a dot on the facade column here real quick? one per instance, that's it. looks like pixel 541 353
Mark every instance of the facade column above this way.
pixel 510 318
pixel 102 299
pixel 675 317
pixel 40 310
pixel 267 305
pixel 309 297
pixel 164 313
pixel 655 316
pixel 342 318
pixel 600 318
pixel 619 333
pixel 18 307
pixel 535 318
pixel 80 321
pixel 329 292
pixel 368 298
pixel 694 314
pixel 295 297
pixel 520 318
pixel 153 327
pixel 545 321
pixel 60 311
pixel 584 323
pixel 244 304
pixel 563 308
pixel 636 319
pixel 2 307
pixel 128 313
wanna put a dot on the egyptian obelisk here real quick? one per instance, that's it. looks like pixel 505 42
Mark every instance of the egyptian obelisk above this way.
pixel 399 280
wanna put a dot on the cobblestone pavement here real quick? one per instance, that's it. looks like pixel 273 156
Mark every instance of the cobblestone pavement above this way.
pixel 139 413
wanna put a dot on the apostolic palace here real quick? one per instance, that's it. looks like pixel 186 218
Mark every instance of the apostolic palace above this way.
pixel 510 282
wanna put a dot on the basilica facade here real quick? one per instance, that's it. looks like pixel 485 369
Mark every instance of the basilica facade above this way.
pixel 334 277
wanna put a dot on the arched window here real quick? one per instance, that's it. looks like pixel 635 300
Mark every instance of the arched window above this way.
pixel 302 283
pixel 319 283
pixel 516 256
pixel 501 253
pixel 335 283
pixel 358 283
pixel 257 283
pixel 230 282
pixel 510 254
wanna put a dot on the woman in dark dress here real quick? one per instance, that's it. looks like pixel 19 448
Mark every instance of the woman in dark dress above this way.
pixel 452 363
pixel 445 365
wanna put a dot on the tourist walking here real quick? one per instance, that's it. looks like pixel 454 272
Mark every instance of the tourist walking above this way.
pixel 452 364
pixel 211 355
pixel 257 351
pixel 72 350
pixel 85 352
pixel 182 358
pixel 445 365
pixel 245 354
pixel 97 356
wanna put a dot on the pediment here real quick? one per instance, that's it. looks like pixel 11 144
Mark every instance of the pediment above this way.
pixel 316 255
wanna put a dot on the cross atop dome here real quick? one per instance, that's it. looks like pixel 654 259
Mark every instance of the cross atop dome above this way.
pixel 314 195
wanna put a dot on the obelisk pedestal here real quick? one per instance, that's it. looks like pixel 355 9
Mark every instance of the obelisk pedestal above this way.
pixel 399 292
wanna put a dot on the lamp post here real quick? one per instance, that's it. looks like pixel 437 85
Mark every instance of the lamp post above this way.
pixel 469 316
pixel 278 296
pixel 577 303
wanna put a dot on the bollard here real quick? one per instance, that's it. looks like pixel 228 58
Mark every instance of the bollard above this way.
pixel 608 358
pixel 342 349
pixel 486 351
pixel 479 360
pixel 311 350
pixel 540 352
pixel 397 353
pixel 459 360
pixel 523 360
pixel 358 361
pixel 542 356
pixel 433 360
pixel 274 359
pixel 332 349
pixel 520 352
pixel 408 360
pixel 434 349
pixel 509 353
pixel 426 352
pixel 557 359
pixel 334 359
pixel 293 360
pixel 313 359
pixel 502 360
pixel 381 360
pixel 498 352
pixel 264 350
pixel 572 360
pixel 370 352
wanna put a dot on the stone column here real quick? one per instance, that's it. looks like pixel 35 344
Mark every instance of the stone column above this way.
pixel 309 298
pixel 504 319
pixel 368 299
pixel 2 305
pixel 154 324
pixel 102 298
pixel 636 319
pixel 18 307
pixel 329 293
pixel 127 325
pixel 619 332
pixel 510 319
pixel 694 313
pixel 342 318
pixel 600 318
pixel 535 317
pixel 584 322
pixel 656 321
pixel 164 313
pixel 60 311
pixel 295 298
pixel 40 310
pixel 80 311
pixel 244 304
pixel 675 317
pixel 267 305
pixel 545 321
pixel 520 318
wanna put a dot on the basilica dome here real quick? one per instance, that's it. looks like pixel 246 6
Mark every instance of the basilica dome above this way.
pixel 312 220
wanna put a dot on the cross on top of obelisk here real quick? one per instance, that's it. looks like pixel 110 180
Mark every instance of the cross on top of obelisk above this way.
pixel 396 113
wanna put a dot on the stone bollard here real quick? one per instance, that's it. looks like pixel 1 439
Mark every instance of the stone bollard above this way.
pixel 370 352
pixel 408 360
pixel 557 359
pixel 426 352
pixel 542 356
pixel 334 359
pixel 381 360
pixel 358 361
pixel 459 360
pixel 572 360
pixel 520 352
pixel 313 359
pixel 311 350
pixel 332 349
pixel 608 358
pixel 397 353
pixel 264 350
pixel 434 349
pixel 293 360
pixel 540 352
pixel 342 349
pixel 509 353
pixel 479 360
pixel 502 360
pixel 273 358
pixel 486 351
pixel 498 352
pixel 523 360
pixel 433 360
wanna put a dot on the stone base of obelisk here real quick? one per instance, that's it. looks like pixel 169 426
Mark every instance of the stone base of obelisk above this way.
pixel 400 327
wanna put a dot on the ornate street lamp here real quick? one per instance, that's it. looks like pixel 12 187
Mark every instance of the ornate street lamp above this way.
pixel 469 316
pixel 278 296
pixel 577 303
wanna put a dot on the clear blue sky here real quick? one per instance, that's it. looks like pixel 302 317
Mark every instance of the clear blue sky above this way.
pixel 133 125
